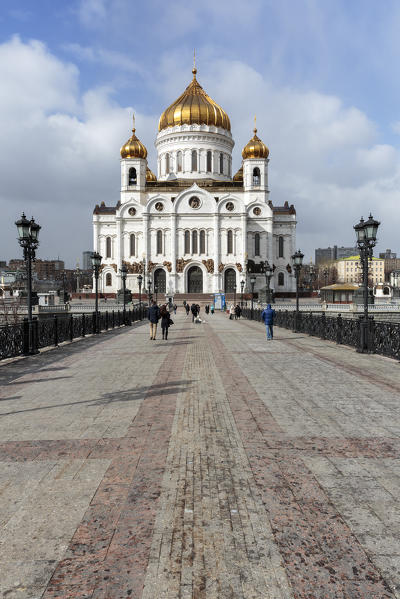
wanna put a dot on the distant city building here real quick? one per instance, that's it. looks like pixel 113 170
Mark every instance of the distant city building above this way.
pixel 48 269
pixel 349 270
pixel 391 264
pixel 388 255
pixel 330 254
pixel 86 261
pixel 16 264
pixel 395 279
pixel 3 264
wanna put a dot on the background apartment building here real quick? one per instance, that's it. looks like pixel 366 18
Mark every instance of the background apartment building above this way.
pixel 349 270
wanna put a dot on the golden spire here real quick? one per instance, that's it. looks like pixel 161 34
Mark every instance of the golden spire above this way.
pixel 194 70
pixel 133 148
pixel 255 124
pixel 255 148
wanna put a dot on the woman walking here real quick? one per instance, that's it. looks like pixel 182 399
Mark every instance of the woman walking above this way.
pixel 165 321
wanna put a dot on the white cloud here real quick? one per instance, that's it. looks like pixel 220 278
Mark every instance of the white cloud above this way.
pixel 92 12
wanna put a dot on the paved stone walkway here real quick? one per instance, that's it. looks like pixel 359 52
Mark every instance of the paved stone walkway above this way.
pixel 212 465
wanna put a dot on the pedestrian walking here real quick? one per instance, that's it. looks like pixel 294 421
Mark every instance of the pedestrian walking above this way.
pixel 267 316
pixel 166 321
pixel 238 311
pixel 231 312
pixel 154 317
pixel 187 309
pixel 207 308
pixel 193 309
pixel 212 309
pixel 175 308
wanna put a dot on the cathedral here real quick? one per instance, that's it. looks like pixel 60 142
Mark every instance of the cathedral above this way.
pixel 194 228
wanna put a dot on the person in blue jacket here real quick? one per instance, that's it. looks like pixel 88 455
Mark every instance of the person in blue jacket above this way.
pixel 267 316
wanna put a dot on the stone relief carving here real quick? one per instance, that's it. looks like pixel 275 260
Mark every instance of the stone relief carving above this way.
pixel 221 267
pixel 133 268
pixel 151 266
pixel 168 265
pixel 209 264
pixel 239 266
pixel 115 267
pixel 181 263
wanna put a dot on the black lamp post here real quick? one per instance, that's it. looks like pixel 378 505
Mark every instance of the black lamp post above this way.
pixel 64 276
pixel 124 272
pixel 326 274
pixel 297 259
pixel 268 272
pixel 96 262
pixel 242 283
pixel 149 289
pixel 366 232
pixel 140 280
pixel 252 283
pixel 156 291
pixel 234 294
pixel 28 233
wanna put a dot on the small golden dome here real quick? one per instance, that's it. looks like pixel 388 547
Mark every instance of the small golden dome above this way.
pixel 255 148
pixel 239 175
pixel 194 106
pixel 133 148
pixel 150 176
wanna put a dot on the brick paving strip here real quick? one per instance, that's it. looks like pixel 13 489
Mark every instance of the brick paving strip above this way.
pixel 323 558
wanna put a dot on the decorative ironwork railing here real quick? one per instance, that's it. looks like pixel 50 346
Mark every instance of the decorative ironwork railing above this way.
pixel 53 330
pixel 383 337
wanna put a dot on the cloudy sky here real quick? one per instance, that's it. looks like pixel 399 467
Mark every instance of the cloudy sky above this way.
pixel 321 76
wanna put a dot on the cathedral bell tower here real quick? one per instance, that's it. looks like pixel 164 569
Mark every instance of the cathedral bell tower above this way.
pixel 255 164
pixel 134 169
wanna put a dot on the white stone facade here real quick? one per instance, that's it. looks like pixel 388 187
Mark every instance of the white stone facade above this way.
pixel 195 215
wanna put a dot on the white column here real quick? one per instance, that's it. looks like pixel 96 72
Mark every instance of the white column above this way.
pixel 119 250
pixel 146 237
pixel 173 243
pixel 96 233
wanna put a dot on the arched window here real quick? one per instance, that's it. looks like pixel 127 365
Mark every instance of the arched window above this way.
pixel 202 242
pixel 230 243
pixel 132 244
pixel 257 244
pixel 209 161
pixel 187 242
pixel 179 161
pixel 221 164
pixel 108 279
pixel 194 243
pixel 132 176
pixel 108 247
pixel 194 160
pixel 167 164
pixel 280 247
pixel 281 279
pixel 256 176
pixel 159 242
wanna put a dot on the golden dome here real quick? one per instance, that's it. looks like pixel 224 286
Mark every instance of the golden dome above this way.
pixel 194 106
pixel 150 176
pixel 239 175
pixel 255 148
pixel 133 148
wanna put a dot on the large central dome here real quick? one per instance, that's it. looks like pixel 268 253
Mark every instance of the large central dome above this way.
pixel 194 106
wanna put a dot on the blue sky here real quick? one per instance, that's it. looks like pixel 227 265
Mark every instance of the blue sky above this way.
pixel 320 75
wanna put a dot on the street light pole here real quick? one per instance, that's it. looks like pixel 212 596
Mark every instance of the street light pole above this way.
pixel 96 262
pixel 297 259
pixel 366 232
pixel 252 283
pixel 28 232
pixel 241 291
pixel 140 279
pixel 124 272
pixel 149 289
pixel 234 294
pixel 267 269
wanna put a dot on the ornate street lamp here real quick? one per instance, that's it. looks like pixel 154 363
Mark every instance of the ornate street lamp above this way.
pixel 28 233
pixel 297 259
pixel 268 272
pixel 326 275
pixel 252 283
pixel 140 280
pixel 149 289
pixel 366 232
pixel 242 284
pixel 234 294
pixel 124 272
pixel 96 263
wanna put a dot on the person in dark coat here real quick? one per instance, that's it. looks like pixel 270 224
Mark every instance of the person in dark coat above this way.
pixel 187 308
pixel 165 321
pixel 207 308
pixel 267 316
pixel 238 311
pixel 154 317
pixel 194 311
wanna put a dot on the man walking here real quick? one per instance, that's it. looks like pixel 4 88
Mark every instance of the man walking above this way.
pixel 193 309
pixel 154 316
pixel 267 316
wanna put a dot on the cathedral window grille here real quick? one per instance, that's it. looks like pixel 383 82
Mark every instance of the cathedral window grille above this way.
pixel 194 243
pixel 256 176
pixel 230 243
pixel 194 160
pixel 167 164
pixel 108 247
pixel 221 164
pixel 280 247
pixel 281 279
pixel 179 161
pixel 108 279
pixel 209 161
pixel 187 242
pixel 132 244
pixel 132 176
pixel 257 244
pixel 202 242
pixel 159 242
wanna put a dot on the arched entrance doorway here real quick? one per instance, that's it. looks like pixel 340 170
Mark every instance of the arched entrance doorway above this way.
pixel 195 280
pixel 160 280
pixel 230 280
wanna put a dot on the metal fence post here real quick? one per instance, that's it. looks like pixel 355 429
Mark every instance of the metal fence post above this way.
pixel 94 318
pixel 71 327
pixel 323 326
pixel 106 327
pixel 339 327
pixel 55 331
pixel 83 325
pixel 25 344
